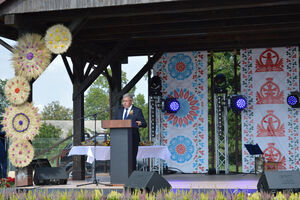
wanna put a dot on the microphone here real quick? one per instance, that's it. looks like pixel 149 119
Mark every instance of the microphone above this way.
pixel 94 115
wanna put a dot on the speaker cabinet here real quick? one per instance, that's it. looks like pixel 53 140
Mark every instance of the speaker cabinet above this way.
pixel 50 176
pixel 273 181
pixel 149 181
pixel 40 162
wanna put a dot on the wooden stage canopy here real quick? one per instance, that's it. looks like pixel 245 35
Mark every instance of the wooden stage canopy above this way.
pixel 106 32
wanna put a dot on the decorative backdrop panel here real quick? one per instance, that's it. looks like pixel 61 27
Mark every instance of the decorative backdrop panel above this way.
pixel 184 76
pixel 267 77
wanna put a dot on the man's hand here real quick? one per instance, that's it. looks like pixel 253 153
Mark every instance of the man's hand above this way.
pixel 138 123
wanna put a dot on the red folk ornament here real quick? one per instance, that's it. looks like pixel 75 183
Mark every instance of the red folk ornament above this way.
pixel 269 61
pixel 269 93
pixel 270 126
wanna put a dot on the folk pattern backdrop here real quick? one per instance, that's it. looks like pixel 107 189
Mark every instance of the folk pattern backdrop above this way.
pixel 268 75
pixel 184 76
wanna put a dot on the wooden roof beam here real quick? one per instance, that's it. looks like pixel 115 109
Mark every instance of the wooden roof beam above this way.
pixel 194 16
pixel 138 76
pixel 113 54
pixel 161 8
pixel 204 25
pixel 7 46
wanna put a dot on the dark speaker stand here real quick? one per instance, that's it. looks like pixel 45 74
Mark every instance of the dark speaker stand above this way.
pixel 95 181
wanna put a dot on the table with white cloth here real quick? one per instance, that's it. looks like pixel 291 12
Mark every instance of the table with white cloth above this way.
pixel 144 152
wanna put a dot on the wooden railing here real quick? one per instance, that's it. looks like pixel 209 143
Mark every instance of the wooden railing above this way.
pixel 58 156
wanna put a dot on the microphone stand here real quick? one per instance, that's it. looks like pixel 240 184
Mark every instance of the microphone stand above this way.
pixel 95 181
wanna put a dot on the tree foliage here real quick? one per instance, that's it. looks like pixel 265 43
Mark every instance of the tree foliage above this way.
pixel 3 100
pixel 55 111
pixel 49 131
pixel 47 137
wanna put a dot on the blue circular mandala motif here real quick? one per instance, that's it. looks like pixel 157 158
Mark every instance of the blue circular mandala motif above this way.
pixel 181 149
pixel 19 120
pixel 180 66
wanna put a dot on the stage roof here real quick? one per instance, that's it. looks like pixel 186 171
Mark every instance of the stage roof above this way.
pixel 152 26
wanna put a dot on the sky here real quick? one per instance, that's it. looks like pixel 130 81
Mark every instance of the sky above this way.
pixel 54 83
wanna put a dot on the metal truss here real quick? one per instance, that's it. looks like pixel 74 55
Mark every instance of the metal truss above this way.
pixel 221 134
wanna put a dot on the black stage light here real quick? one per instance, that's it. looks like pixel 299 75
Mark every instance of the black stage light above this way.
pixel 171 105
pixel 293 99
pixel 220 84
pixel 155 86
pixel 238 103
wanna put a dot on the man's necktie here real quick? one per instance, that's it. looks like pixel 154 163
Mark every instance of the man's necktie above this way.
pixel 125 113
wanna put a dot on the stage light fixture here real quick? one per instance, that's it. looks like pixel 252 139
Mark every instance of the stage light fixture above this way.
pixel 220 83
pixel 155 86
pixel 293 99
pixel 171 105
pixel 238 103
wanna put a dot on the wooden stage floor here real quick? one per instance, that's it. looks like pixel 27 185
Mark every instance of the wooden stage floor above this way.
pixel 195 182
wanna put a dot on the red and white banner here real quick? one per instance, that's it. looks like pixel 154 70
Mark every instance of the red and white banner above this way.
pixel 268 75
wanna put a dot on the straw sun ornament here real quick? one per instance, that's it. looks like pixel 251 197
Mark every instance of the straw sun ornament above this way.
pixel 58 39
pixel 17 90
pixel 30 56
pixel 20 153
pixel 21 122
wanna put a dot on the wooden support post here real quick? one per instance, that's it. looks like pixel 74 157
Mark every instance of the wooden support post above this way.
pixel 115 87
pixel 78 117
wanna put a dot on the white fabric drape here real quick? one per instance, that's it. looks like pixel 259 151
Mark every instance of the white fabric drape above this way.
pixel 184 77
pixel 268 75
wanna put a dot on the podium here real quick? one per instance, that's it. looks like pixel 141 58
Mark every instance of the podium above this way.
pixel 120 149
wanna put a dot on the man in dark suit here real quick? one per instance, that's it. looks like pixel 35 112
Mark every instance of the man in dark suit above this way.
pixel 129 111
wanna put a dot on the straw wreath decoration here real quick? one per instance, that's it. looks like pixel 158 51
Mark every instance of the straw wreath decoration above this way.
pixel 30 56
pixel 20 153
pixel 17 90
pixel 58 39
pixel 21 122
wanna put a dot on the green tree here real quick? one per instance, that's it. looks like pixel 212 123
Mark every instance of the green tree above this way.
pixel 55 111
pixel 47 137
pixel 3 101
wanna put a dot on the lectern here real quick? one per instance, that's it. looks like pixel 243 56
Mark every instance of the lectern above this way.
pixel 120 149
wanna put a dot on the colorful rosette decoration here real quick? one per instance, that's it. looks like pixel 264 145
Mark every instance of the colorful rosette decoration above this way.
pixel 21 122
pixel 31 57
pixel 17 90
pixel 20 153
pixel 58 39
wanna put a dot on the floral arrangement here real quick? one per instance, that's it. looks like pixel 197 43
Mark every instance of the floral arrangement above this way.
pixel 20 153
pixel 146 143
pixel 17 90
pixel 7 182
pixel 87 143
pixel 21 122
pixel 58 39
pixel 107 143
pixel 131 112
pixel 30 56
